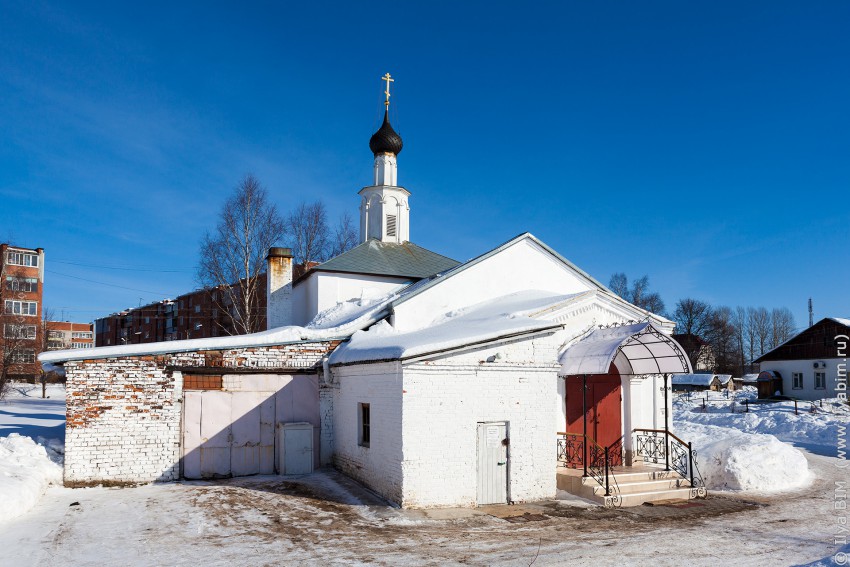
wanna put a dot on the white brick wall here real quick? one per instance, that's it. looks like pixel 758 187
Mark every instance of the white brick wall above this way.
pixel 124 414
pixel 425 416
pixel 441 415
pixel 379 465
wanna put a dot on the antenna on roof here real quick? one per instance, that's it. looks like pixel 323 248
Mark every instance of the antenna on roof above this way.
pixel 811 314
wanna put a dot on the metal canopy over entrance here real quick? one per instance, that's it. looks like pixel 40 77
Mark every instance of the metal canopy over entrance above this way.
pixel 639 348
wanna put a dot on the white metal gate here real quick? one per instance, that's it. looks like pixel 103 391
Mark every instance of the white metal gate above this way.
pixel 492 463
pixel 228 434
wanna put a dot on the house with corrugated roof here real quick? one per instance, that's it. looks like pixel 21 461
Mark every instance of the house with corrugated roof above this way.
pixel 811 365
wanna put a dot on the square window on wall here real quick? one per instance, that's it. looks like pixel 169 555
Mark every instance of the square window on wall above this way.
pixel 363 425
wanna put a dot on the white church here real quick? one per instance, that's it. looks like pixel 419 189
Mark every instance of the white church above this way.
pixel 432 382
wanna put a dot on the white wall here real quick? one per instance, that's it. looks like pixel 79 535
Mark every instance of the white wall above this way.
pixel 379 465
pixel 442 410
pixel 521 267
pixel 786 368
pixel 335 287
pixel 445 399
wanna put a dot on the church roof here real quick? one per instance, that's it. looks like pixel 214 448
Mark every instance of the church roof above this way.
pixel 385 140
pixel 406 260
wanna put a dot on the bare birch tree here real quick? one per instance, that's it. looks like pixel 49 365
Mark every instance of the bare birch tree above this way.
pixel 310 237
pixel 345 236
pixel 233 256
pixel 307 226
pixel 781 325
pixel 759 318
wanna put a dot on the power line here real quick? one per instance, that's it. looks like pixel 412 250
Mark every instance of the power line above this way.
pixel 159 293
pixel 135 269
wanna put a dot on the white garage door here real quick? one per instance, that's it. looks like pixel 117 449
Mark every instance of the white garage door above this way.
pixel 228 434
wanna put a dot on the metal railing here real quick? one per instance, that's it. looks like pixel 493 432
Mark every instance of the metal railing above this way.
pixel 599 462
pixel 656 445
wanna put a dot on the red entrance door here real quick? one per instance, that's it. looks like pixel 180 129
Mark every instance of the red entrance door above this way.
pixel 604 407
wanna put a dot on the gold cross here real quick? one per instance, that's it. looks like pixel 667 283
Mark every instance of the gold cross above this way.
pixel 389 80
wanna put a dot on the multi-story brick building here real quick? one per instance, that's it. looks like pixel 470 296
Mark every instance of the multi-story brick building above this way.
pixel 21 291
pixel 198 314
pixel 65 334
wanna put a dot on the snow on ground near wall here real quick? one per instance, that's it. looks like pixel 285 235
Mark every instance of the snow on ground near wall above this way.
pixel 32 430
pixel 26 470
pixel 817 431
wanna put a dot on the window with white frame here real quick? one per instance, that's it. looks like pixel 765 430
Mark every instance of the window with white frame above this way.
pixel 21 307
pixel 363 422
pixel 19 331
pixel 20 258
pixel 797 380
pixel 23 356
pixel 81 335
pixel 820 380
pixel 21 284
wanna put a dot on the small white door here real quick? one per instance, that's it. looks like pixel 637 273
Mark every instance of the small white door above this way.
pixel 492 463
pixel 296 446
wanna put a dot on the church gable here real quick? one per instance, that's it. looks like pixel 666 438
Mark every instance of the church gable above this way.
pixel 521 264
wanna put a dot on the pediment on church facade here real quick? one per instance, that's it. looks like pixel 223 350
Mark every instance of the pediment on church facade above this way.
pixel 521 264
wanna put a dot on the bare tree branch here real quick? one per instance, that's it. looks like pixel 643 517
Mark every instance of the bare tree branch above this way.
pixel 232 257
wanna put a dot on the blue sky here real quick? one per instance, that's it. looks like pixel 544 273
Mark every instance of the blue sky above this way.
pixel 703 144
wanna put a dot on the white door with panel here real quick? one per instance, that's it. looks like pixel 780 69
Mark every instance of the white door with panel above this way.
pixel 228 433
pixel 492 463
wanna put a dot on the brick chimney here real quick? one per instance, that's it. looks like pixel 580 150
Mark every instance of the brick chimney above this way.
pixel 279 288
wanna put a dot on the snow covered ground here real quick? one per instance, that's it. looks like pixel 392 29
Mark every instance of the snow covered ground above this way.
pixel 814 427
pixel 756 446
pixel 327 519
pixel 32 433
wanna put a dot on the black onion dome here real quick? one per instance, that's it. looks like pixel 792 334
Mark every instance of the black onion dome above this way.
pixel 385 140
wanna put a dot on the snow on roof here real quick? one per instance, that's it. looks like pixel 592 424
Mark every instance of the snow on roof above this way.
pixel 694 379
pixel 750 377
pixel 724 378
pixel 337 322
pixel 510 315
pixel 842 321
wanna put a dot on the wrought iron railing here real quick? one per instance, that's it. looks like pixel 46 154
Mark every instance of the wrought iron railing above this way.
pixel 600 460
pixel 658 445
pixel 571 450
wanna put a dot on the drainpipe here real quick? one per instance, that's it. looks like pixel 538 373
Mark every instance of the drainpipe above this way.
pixel 584 413
pixel 666 427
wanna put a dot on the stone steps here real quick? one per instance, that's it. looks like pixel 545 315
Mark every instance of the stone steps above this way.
pixel 634 486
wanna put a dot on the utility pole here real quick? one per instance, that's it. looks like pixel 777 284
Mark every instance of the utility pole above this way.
pixel 811 314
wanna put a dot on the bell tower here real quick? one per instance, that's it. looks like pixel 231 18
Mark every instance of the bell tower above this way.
pixel 384 209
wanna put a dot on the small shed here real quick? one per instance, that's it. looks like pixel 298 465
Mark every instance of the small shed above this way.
pixel 769 383
pixel 695 382
pixel 726 382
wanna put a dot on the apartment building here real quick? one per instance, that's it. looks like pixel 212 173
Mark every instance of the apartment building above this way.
pixel 65 334
pixel 21 292
pixel 198 314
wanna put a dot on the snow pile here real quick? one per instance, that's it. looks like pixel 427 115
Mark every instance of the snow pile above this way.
pixel 27 468
pixel 734 460
pixel 817 430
